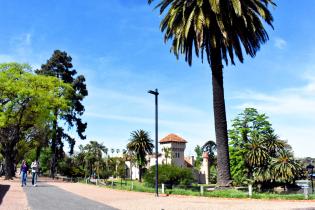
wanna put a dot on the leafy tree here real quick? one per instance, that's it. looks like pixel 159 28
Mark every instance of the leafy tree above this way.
pixel 93 155
pixel 70 168
pixel 44 160
pixel 141 144
pixel 217 30
pixel 60 66
pixel 26 103
pixel 121 169
pixel 257 154
pixel 170 175
pixel 167 153
pixel 210 147
pixel 198 161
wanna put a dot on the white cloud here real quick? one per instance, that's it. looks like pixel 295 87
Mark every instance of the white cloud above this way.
pixel 20 50
pixel 22 45
pixel 280 43
pixel 131 111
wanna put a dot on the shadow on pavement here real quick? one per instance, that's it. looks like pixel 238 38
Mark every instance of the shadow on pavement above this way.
pixel 3 190
pixel 308 208
pixel 38 186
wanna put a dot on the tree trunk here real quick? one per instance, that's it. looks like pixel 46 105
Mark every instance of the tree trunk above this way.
pixel 38 150
pixel 140 173
pixel 53 149
pixel 9 161
pixel 223 162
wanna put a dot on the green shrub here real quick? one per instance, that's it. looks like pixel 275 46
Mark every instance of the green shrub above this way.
pixel 169 175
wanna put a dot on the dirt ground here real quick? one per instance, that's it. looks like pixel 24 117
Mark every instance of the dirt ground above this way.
pixel 146 201
pixel 12 196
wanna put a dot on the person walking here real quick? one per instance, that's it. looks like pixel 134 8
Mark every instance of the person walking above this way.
pixel 23 173
pixel 35 170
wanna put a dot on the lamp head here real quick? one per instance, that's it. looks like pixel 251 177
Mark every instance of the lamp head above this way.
pixel 153 92
pixel 309 167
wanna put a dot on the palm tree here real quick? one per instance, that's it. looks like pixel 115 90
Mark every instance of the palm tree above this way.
pixel 274 144
pixel 93 155
pixel 285 168
pixel 217 30
pixel 141 144
pixel 112 151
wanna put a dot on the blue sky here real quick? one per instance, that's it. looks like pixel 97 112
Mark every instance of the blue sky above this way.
pixel 117 46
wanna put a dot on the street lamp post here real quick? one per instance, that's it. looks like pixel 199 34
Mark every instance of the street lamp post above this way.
pixel 310 168
pixel 156 93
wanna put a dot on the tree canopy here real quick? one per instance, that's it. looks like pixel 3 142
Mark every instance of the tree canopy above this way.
pixel 60 66
pixel 257 153
pixel 26 105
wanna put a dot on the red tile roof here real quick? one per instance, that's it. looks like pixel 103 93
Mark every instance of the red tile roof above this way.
pixel 188 162
pixel 205 155
pixel 172 138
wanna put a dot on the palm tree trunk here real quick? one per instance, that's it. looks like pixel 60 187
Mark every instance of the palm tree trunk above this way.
pixel 140 173
pixel 223 162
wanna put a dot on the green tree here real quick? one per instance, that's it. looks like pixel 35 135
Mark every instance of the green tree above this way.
pixel 210 147
pixel 170 175
pixel 256 151
pixel 60 66
pixel 93 156
pixel 141 144
pixel 167 153
pixel 285 168
pixel 26 103
pixel 198 151
pixel 218 30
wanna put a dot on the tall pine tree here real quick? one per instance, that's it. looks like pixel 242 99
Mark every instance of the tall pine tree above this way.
pixel 60 66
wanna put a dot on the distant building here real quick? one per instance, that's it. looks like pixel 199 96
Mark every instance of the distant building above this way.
pixel 173 152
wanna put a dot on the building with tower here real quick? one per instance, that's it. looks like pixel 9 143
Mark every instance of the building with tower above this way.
pixel 172 149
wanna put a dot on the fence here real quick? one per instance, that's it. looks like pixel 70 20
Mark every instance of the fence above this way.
pixel 193 189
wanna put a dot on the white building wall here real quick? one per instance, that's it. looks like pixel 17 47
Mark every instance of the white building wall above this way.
pixel 204 171
pixel 133 170
pixel 177 155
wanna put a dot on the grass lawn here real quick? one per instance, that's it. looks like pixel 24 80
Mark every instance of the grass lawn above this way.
pixel 195 191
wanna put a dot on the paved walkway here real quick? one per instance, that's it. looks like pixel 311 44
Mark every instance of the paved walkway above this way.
pixel 12 196
pixel 48 197
pixel 70 196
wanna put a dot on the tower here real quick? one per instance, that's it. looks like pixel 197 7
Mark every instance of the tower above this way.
pixel 205 167
pixel 176 145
